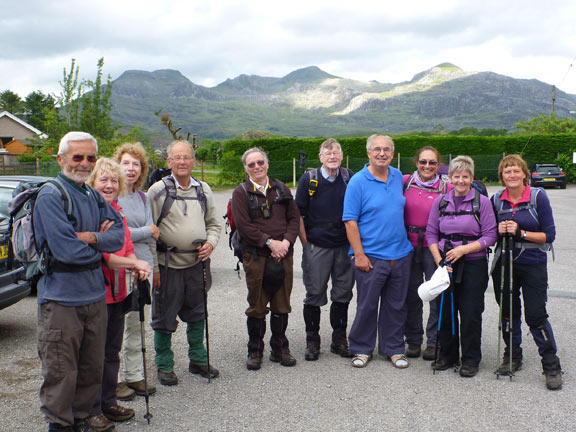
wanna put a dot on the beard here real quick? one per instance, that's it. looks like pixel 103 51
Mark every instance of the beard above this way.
pixel 77 175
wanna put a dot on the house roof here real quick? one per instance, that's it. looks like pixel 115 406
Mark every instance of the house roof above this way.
pixel 23 123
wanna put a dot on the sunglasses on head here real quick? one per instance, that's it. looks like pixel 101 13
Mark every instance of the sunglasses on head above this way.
pixel 431 162
pixel 253 164
pixel 80 158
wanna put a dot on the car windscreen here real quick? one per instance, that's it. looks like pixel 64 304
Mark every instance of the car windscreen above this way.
pixel 549 170
pixel 5 196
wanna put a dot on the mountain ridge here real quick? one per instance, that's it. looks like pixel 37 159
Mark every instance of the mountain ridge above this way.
pixel 312 102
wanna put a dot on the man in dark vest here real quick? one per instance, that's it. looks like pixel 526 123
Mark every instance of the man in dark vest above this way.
pixel 267 220
pixel 320 198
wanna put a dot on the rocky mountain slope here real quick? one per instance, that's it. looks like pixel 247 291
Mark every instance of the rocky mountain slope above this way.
pixel 311 102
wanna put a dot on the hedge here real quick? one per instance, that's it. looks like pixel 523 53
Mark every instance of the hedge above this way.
pixel 486 151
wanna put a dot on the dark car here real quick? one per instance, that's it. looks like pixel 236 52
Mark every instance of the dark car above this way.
pixel 13 287
pixel 546 175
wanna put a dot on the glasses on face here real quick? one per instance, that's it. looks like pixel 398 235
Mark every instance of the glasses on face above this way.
pixel 330 154
pixel 79 158
pixel 379 150
pixel 181 158
pixel 253 164
pixel 425 162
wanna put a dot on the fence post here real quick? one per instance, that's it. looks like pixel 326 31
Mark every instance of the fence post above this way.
pixel 294 172
pixel 399 161
pixel 37 166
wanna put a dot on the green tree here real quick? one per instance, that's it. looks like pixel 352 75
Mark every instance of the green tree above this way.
pixel 37 106
pixel 11 102
pixel 96 106
pixel 547 124
pixel 70 94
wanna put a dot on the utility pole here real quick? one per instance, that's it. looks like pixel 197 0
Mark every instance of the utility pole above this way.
pixel 553 97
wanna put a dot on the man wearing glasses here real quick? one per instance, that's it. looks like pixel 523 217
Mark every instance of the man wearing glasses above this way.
pixel 374 220
pixel 71 294
pixel 267 220
pixel 184 212
pixel 320 198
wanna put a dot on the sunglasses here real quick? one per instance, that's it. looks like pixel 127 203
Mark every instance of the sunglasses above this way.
pixel 80 158
pixel 425 162
pixel 253 164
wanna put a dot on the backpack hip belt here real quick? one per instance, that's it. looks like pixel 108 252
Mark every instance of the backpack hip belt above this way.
pixel 420 244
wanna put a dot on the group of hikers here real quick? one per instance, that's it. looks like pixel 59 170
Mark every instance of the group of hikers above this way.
pixel 384 232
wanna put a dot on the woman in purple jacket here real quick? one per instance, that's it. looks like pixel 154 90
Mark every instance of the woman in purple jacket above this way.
pixel 421 189
pixel 460 229
pixel 525 218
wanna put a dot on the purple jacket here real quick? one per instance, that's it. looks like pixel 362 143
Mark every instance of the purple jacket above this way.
pixel 463 224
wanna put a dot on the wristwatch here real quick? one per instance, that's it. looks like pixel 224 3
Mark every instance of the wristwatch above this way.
pixel 268 242
pixel 525 234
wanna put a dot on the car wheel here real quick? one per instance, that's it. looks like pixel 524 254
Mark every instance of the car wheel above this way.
pixel 563 186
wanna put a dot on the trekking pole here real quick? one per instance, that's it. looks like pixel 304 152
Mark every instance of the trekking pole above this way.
pixel 438 332
pixel 205 292
pixel 502 269
pixel 510 285
pixel 144 299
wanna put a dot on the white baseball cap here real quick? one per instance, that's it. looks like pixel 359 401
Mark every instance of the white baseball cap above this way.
pixel 439 282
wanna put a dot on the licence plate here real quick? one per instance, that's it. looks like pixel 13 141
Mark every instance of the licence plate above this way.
pixel 549 179
pixel 3 251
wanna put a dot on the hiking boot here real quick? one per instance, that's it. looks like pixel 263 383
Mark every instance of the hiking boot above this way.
pixel 312 352
pixel 443 364
pixel 254 362
pixel 204 371
pixel 139 388
pixel 553 380
pixel 124 393
pixel 118 413
pixel 341 349
pixel 285 359
pixel 504 368
pixel 81 426
pixel 467 371
pixel 429 353
pixel 101 424
pixel 413 351
pixel 167 378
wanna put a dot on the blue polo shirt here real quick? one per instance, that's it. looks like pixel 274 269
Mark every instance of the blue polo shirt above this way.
pixel 378 208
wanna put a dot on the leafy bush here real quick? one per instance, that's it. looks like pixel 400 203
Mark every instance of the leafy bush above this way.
pixel 564 161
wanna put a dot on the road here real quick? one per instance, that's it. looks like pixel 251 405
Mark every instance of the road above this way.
pixel 328 394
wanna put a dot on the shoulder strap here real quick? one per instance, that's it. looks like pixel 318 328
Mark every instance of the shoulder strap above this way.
pixel 66 197
pixel 142 196
pixel 170 189
pixel 252 202
pixel 313 181
pixel 345 175
pixel 475 208
pixel 408 183
pixel 201 197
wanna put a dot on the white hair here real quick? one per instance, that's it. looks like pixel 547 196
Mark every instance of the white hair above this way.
pixel 75 136
pixel 371 138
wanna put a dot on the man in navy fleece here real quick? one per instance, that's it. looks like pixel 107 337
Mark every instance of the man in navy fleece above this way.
pixel 320 198
pixel 71 295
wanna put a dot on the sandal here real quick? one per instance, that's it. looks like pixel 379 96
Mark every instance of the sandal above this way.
pixel 400 361
pixel 361 360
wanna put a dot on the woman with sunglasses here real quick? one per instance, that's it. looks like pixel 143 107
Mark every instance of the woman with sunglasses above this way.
pixel 421 188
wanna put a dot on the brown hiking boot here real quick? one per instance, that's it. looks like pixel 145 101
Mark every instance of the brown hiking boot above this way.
pixel 254 362
pixel 312 351
pixel 504 368
pixel 285 359
pixel 139 387
pixel 124 393
pixel 553 380
pixel 100 423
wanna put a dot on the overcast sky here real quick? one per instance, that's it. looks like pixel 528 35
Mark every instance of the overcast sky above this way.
pixel 211 41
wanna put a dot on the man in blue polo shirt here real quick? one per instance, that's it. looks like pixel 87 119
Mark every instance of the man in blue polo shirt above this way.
pixel 374 220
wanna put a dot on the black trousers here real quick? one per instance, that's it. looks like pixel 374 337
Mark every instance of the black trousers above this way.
pixel 467 298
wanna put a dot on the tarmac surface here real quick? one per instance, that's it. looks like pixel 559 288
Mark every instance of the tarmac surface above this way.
pixel 328 394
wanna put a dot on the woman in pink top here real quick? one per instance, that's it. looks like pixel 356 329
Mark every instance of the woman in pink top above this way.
pixel 109 180
pixel 421 189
